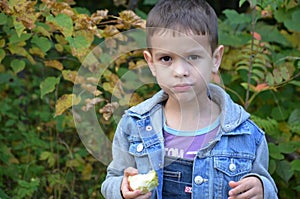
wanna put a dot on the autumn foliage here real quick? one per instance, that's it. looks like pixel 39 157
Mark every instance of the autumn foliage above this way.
pixel 51 49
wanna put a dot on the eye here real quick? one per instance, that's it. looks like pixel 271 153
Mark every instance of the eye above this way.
pixel 166 59
pixel 193 57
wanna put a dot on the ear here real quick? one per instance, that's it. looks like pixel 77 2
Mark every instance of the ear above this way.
pixel 149 59
pixel 217 58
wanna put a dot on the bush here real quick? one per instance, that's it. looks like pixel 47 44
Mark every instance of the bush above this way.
pixel 57 60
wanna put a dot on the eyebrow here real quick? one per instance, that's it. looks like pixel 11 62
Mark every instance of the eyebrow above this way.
pixel 160 52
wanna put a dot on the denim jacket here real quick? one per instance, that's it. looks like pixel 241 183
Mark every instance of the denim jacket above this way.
pixel 239 150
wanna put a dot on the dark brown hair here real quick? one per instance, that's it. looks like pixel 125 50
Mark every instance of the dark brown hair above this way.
pixel 185 16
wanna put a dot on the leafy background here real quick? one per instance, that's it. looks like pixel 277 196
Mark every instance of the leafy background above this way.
pixel 43 44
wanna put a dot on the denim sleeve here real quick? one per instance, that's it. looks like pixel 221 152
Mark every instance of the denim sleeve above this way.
pixel 111 186
pixel 260 170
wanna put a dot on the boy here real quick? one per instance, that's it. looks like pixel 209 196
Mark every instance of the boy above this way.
pixel 200 143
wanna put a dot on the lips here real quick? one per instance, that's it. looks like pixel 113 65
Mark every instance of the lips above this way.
pixel 182 87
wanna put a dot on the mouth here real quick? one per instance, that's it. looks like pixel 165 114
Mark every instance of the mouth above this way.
pixel 182 87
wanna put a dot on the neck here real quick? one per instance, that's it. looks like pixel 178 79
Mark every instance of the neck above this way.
pixel 191 115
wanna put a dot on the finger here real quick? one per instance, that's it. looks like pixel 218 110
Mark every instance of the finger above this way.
pixel 145 196
pixel 130 171
pixel 244 195
pixel 125 188
pixel 233 184
pixel 131 194
pixel 239 188
pixel 137 194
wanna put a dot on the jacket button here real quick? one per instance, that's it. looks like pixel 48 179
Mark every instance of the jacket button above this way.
pixel 232 167
pixel 139 147
pixel 148 128
pixel 198 180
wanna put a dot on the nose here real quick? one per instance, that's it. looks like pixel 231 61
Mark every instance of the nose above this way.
pixel 181 68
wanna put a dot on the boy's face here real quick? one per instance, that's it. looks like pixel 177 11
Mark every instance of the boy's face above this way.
pixel 183 65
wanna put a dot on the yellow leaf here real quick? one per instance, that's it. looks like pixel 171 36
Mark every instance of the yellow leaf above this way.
pixel 129 18
pixel 2 43
pixel 69 75
pixel 37 51
pixel 135 99
pixel 16 49
pixel 88 35
pixel 54 64
pixel 261 87
pixel 87 172
pixel 65 102
pixel 120 2
pixel 73 163
pixel 90 103
pixel 59 47
pixel 2 68
pixel 91 88
pixel 99 16
pixel 108 110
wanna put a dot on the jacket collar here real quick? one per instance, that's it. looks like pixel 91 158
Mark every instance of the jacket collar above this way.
pixel 232 114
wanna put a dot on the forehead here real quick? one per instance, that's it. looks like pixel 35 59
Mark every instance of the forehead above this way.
pixel 180 44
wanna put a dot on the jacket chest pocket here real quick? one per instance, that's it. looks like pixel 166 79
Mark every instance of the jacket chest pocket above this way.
pixel 145 151
pixel 229 168
pixel 233 167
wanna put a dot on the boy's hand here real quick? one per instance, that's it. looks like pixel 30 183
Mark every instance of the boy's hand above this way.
pixel 126 191
pixel 250 187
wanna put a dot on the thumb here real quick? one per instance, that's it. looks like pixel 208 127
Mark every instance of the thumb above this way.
pixel 233 184
pixel 130 171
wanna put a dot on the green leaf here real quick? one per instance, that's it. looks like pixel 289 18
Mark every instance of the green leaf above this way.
pixel 235 18
pixel 150 2
pixel 294 82
pixel 259 73
pixel 64 22
pixel 294 117
pixel 279 113
pixel 293 23
pixel 82 10
pixel 14 38
pixel 49 156
pixel 26 189
pixel 3 195
pixel 284 73
pixel 140 13
pixel 19 27
pixel 17 65
pixel 43 28
pixel 295 165
pixel 270 79
pixel 272 166
pixel 105 58
pixel 48 85
pixel 274 152
pixel 284 170
pixel 3 18
pixel 236 39
pixel 271 34
pixel 79 45
pixel 43 43
pixel 282 15
pixel 2 55
pixel 242 2
pixel 286 148
pixel 277 76
pixel 293 121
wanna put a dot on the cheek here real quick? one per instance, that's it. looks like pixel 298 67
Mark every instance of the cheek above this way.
pixel 163 80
